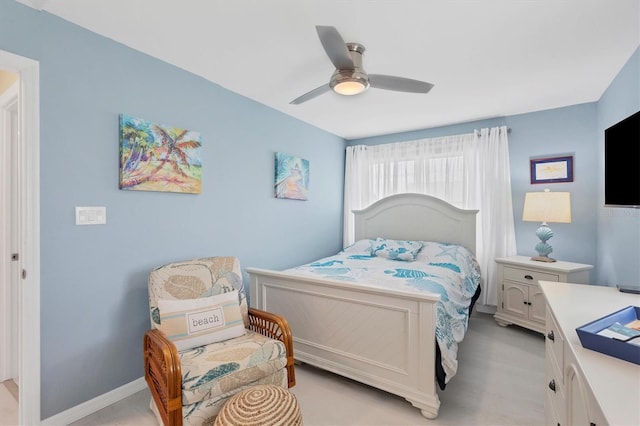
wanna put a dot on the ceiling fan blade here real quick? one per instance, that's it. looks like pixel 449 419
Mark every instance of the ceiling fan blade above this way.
pixel 399 84
pixel 310 95
pixel 335 47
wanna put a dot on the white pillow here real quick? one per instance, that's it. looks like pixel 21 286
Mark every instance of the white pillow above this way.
pixel 361 247
pixel 196 322
pixel 396 249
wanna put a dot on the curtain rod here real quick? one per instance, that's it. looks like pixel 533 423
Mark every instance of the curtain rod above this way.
pixel 508 130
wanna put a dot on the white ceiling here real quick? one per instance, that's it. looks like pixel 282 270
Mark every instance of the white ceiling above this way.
pixel 487 58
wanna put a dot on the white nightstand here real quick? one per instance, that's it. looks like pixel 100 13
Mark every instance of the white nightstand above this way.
pixel 520 299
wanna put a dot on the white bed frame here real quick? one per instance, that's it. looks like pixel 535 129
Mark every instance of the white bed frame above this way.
pixel 383 338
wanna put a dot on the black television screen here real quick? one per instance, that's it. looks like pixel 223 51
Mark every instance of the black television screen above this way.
pixel 622 163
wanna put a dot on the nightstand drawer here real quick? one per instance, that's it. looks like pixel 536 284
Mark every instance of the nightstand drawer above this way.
pixel 527 276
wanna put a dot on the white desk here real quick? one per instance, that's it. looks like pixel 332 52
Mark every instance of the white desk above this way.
pixel 613 385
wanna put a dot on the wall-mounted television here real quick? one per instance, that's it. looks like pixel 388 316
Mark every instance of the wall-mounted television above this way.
pixel 622 163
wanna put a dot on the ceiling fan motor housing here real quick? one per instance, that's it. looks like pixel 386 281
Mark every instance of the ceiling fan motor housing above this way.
pixel 351 81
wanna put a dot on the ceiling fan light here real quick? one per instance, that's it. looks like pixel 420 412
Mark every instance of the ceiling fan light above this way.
pixel 350 82
pixel 349 87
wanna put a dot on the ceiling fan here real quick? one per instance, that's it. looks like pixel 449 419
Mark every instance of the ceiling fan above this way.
pixel 350 78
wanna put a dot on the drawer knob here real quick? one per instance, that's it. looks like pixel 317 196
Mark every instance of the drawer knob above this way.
pixel 552 385
pixel 528 277
pixel 550 336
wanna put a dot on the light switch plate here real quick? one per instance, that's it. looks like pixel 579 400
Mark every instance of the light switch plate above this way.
pixel 91 215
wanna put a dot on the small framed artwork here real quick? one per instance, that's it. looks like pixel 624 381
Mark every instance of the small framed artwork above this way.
pixel 552 170
pixel 292 177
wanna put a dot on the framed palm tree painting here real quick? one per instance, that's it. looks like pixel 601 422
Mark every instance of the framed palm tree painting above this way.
pixel 155 157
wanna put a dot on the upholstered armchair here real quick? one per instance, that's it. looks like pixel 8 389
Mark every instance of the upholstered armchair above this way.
pixel 205 344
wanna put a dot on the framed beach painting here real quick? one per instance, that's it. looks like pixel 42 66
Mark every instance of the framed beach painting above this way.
pixel 156 157
pixel 292 177
pixel 551 170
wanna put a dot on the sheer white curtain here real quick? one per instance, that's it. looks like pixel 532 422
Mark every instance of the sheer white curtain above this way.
pixel 495 228
pixel 469 171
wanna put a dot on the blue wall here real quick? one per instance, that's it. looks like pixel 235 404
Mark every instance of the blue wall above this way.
pixel 570 130
pixel 608 238
pixel 93 280
pixel 618 228
pixel 93 283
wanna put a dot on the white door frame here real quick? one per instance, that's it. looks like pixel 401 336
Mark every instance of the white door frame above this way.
pixel 9 302
pixel 28 174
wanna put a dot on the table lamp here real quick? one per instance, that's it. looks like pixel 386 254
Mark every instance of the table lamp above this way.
pixel 546 207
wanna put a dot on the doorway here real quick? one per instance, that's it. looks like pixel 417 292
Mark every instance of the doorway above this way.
pixel 25 227
pixel 9 274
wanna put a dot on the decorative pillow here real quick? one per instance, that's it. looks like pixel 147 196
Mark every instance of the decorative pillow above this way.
pixel 396 249
pixel 361 247
pixel 196 322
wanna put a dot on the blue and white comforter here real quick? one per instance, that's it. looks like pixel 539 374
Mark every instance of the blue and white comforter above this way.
pixel 445 269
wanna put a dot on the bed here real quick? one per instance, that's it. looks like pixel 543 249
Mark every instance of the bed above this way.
pixel 383 337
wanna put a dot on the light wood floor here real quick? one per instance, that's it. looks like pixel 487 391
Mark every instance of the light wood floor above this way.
pixel 8 403
pixel 500 381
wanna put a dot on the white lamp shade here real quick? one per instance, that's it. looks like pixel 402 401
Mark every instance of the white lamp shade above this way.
pixel 547 207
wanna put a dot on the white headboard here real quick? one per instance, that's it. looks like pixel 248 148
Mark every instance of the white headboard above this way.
pixel 417 217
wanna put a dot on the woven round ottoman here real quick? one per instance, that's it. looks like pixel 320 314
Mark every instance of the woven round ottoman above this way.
pixel 262 405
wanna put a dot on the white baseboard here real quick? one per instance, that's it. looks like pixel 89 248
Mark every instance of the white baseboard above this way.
pixel 98 403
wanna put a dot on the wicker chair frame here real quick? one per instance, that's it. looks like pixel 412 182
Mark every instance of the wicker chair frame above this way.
pixel 163 373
